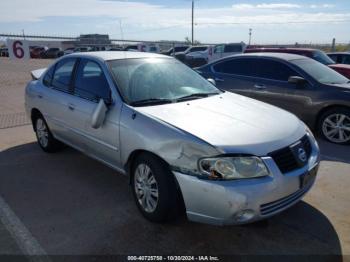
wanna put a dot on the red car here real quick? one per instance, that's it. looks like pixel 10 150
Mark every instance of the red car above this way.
pixel 315 54
pixel 36 51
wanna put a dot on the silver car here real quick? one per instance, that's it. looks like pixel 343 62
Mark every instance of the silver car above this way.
pixel 225 158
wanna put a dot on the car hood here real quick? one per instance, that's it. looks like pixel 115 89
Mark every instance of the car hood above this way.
pixel 340 66
pixel 343 87
pixel 232 123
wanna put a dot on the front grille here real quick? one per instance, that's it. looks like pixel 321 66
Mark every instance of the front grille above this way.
pixel 286 160
pixel 275 206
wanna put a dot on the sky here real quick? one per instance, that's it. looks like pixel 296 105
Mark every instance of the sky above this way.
pixel 219 21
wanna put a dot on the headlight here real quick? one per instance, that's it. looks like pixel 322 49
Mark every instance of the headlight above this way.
pixel 228 168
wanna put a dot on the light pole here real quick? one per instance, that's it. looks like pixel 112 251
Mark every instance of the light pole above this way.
pixel 250 35
pixel 192 22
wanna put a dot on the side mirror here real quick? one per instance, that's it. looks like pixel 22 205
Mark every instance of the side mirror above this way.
pixel 99 114
pixel 297 80
pixel 211 80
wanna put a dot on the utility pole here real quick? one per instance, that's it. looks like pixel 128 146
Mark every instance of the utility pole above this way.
pixel 333 45
pixel 250 35
pixel 192 22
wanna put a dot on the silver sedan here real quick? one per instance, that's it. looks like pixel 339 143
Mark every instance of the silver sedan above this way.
pixel 225 158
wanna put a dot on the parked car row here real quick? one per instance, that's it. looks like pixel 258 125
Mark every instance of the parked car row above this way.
pixel 198 55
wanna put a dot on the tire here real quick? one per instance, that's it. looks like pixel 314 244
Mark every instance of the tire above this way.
pixel 334 126
pixel 160 188
pixel 44 136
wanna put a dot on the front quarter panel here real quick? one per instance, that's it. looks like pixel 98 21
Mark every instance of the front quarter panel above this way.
pixel 139 131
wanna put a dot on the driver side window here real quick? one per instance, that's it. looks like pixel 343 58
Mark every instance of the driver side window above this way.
pixel 91 82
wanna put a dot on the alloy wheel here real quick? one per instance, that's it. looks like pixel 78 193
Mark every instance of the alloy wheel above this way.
pixel 146 188
pixel 336 128
pixel 42 133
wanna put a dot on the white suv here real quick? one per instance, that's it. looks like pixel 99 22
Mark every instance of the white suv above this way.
pixel 214 52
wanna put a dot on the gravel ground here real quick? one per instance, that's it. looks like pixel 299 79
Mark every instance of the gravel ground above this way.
pixel 13 78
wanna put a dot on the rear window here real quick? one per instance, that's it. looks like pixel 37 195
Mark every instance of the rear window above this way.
pixel 322 58
pixel 48 77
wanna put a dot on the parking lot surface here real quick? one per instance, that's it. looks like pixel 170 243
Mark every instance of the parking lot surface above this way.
pixel 69 204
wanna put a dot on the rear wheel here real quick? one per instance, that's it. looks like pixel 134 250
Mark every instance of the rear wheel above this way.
pixel 45 139
pixel 154 189
pixel 334 126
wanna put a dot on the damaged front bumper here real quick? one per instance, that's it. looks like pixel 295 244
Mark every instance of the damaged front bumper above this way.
pixel 244 201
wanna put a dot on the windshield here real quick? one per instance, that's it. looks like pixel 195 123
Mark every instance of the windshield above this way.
pixel 320 72
pixel 322 57
pixel 158 79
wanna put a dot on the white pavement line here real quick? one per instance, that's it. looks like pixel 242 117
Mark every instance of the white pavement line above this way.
pixel 26 242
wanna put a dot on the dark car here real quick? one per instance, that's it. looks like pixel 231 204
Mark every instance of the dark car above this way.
pixel 340 57
pixel 4 52
pixel 315 54
pixel 52 53
pixel 175 49
pixel 315 93
pixel 36 51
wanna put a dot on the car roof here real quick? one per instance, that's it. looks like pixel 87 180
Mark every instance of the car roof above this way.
pixel 338 53
pixel 116 55
pixel 283 48
pixel 284 56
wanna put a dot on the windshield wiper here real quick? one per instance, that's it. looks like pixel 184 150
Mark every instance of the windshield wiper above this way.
pixel 195 96
pixel 151 101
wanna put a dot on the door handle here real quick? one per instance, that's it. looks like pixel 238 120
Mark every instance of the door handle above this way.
pixel 71 107
pixel 258 86
pixel 40 96
pixel 219 80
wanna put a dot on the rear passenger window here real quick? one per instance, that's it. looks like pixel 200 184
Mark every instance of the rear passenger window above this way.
pixel 236 67
pixel 63 75
pixel 48 76
pixel 91 82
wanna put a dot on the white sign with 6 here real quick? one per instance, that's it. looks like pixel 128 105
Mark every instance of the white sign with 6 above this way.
pixel 18 49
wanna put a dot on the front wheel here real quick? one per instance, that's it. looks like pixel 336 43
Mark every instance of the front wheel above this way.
pixel 154 189
pixel 334 126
